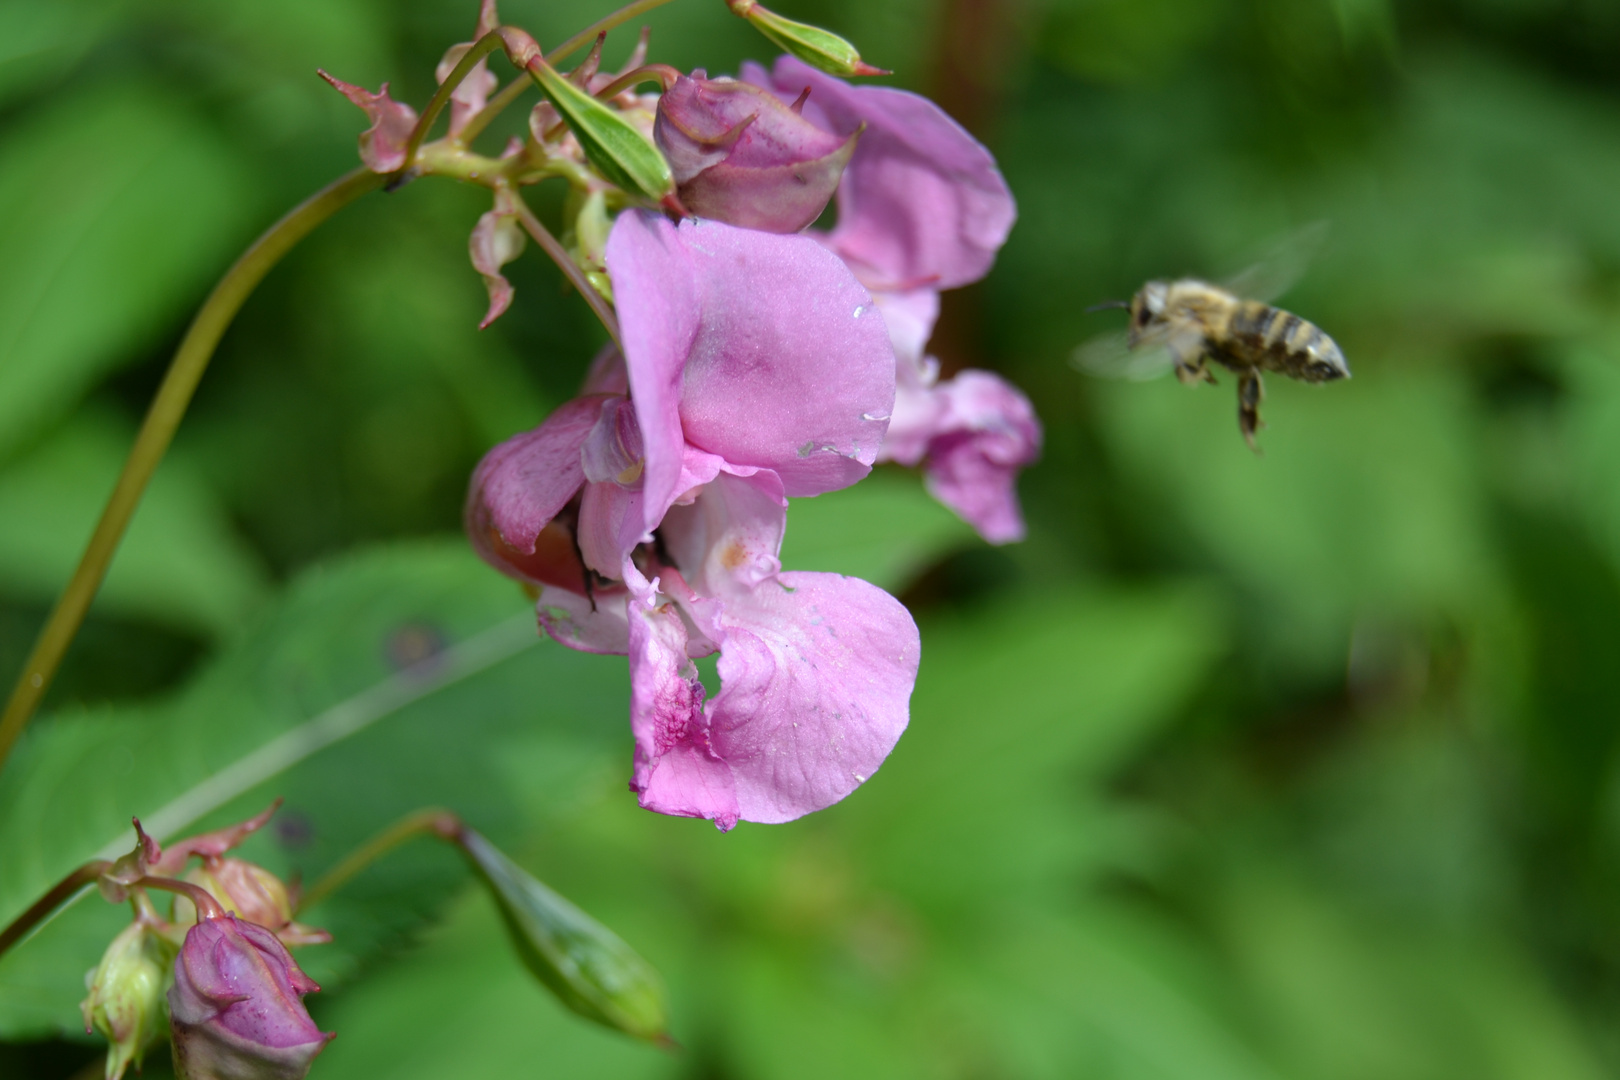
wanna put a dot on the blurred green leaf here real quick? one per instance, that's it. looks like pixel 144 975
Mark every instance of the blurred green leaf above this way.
pixel 886 530
pixel 343 698
pixel 180 564
pixel 121 203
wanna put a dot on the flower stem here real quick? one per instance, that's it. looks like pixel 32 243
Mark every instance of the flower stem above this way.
pixel 662 74
pixel 602 26
pixel 201 899
pixel 162 418
pixel 481 48
pixel 570 269
pixel 476 124
pixel 52 900
pixel 432 821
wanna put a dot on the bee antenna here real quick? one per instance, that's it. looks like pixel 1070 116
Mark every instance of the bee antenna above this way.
pixel 1107 305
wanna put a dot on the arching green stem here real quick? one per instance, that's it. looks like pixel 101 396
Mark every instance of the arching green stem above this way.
pixel 42 908
pixel 162 418
pixel 430 822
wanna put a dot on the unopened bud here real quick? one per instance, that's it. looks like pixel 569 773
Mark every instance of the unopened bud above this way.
pixel 236 1009
pixel 125 1002
pixel 584 963
pixel 742 156
pixel 817 47
pixel 250 891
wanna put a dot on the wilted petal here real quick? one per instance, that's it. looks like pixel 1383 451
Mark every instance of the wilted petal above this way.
pixel 236 1008
pixel 762 349
pixel 521 485
pixel 742 156
pixel 496 240
pixel 211 845
pixel 382 146
pixel 472 93
pixel 922 200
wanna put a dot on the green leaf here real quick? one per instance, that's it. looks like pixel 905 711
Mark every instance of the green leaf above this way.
pixel 317 702
pixel 886 530
pixel 120 204
pixel 584 963
pixel 623 154
pixel 180 564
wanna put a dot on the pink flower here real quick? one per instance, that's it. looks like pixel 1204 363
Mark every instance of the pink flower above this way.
pixel 756 368
pixel 922 207
pixel 236 1008
pixel 744 157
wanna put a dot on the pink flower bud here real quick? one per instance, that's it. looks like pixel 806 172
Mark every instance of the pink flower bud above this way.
pixel 252 892
pixel 236 1009
pixel 742 156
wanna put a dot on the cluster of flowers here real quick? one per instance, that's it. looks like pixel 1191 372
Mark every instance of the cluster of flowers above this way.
pixel 214 974
pixel 757 359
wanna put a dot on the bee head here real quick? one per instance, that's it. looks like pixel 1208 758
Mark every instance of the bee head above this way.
pixel 1147 307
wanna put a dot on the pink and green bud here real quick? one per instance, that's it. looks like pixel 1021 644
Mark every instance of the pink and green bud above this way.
pixel 236 1009
pixel 584 963
pixel 125 1002
pixel 252 893
pixel 382 146
pixel 815 46
pixel 740 155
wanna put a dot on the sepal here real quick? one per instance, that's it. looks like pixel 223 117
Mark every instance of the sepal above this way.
pixel 815 46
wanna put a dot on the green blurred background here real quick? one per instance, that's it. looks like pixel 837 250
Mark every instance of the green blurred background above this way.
pixel 1291 766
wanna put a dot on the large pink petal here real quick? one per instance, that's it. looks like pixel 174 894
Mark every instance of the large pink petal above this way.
pixel 922 200
pixel 816 675
pixel 760 348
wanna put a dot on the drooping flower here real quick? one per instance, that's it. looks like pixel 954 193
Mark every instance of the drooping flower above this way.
pixel 236 1009
pixel 921 208
pixel 756 368
pixel 742 156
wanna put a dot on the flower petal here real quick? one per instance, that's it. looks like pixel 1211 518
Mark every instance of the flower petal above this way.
pixel 757 347
pixel 977 432
pixel 525 482
pixel 676 771
pixel 816 676
pixel 922 200
pixel 593 624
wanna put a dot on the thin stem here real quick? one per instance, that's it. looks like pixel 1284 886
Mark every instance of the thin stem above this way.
pixel 662 74
pixel 432 821
pixel 602 26
pixel 52 900
pixel 201 899
pixel 570 269
pixel 480 49
pixel 168 406
pixel 480 120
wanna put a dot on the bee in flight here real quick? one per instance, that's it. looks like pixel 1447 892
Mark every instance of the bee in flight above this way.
pixel 1194 322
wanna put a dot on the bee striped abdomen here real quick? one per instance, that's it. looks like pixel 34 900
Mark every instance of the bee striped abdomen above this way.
pixel 1276 340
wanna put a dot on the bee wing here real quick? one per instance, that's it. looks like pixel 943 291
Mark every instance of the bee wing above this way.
pixel 1280 266
pixel 1111 357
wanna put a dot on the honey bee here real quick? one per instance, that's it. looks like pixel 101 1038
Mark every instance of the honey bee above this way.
pixel 1195 322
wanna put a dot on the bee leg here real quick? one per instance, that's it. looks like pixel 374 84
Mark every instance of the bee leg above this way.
pixel 1250 394
pixel 1192 371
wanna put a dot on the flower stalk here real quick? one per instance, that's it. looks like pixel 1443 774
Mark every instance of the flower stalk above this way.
pixel 157 431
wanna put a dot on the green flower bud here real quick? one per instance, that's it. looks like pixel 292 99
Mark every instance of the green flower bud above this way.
pixel 126 1002
pixel 618 150
pixel 817 47
pixel 577 958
